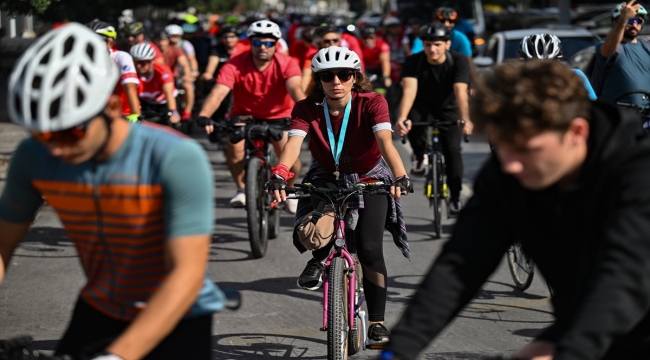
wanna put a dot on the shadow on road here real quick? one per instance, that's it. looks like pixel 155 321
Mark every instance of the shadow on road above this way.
pixel 46 242
pixel 266 346
pixel 281 286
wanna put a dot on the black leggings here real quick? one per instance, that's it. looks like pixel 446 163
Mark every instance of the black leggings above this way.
pixel 369 236
pixel 91 332
pixel 450 141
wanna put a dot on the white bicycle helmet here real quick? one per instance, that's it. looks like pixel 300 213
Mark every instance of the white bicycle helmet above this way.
pixel 173 29
pixel 142 51
pixel 335 57
pixel 264 28
pixel 540 46
pixel 62 80
pixel 616 13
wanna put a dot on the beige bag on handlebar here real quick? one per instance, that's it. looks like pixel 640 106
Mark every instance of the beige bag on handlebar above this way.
pixel 317 228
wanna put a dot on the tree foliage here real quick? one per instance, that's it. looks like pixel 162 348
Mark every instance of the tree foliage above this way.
pixel 25 7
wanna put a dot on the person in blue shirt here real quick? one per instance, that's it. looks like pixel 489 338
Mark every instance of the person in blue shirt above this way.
pixel 549 47
pixel 459 41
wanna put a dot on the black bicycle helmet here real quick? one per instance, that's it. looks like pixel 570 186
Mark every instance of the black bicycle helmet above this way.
pixel 434 32
pixel 368 30
pixel 325 29
pixel 446 13
pixel 226 29
pixel 135 28
pixel 541 47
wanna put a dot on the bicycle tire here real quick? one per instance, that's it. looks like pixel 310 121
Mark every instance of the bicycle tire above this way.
pixel 521 267
pixel 256 213
pixel 436 196
pixel 337 334
pixel 355 335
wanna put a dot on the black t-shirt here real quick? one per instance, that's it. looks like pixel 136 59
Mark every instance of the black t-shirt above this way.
pixel 436 82
pixel 220 51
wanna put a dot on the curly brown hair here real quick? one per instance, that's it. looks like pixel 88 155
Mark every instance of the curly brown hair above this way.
pixel 527 99
pixel 361 84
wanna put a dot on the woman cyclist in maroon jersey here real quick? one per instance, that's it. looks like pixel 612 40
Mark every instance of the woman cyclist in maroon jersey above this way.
pixel 350 141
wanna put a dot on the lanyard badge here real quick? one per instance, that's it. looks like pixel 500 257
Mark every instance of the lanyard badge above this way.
pixel 337 147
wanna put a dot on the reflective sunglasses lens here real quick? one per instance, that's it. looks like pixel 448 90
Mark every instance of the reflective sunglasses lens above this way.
pixel 633 21
pixel 64 137
pixel 259 43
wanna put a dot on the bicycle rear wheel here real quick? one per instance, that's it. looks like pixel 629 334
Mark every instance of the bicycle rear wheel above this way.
pixel 436 197
pixel 257 215
pixel 337 318
pixel 521 267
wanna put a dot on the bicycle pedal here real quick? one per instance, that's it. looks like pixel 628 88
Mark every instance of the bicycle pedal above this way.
pixel 377 346
pixel 323 328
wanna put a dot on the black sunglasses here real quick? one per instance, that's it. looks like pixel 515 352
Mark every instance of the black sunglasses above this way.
pixel 259 43
pixel 343 75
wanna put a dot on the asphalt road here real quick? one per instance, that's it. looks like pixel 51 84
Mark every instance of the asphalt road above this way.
pixel 277 320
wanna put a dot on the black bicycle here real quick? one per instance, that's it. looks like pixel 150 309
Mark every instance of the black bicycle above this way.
pixel 521 266
pixel 436 189
pixel 262 214
pixel 160 114
pixel 644 111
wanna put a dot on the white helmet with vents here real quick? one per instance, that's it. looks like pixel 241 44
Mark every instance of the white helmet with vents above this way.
pixel 62 80
pixel 335 57
pixel 142 52
pixel 264 28
pixel 540 46
pixel 173 29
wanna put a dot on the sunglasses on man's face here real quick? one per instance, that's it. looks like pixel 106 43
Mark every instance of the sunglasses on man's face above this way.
pixel 634 21
pixel 328 76
pixel 259 43
pixel 63 137
pixel 330 41
pixel 141 62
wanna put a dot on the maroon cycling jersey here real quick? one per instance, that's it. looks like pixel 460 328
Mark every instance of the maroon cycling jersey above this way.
pixel 369 114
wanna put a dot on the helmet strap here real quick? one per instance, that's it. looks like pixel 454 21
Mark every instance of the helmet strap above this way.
pixel 108 121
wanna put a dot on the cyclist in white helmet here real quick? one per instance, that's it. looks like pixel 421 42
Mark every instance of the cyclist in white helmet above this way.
pixel 549 47
pixel 341 100
pixel 267 27
pixel 265 85
pixel 141 225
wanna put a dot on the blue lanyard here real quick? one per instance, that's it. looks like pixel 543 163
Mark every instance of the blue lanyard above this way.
pixel 337 150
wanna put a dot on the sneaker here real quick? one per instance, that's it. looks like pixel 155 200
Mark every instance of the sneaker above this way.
pixel 377 333
pixel 418 165
pixel 454 207
pixel 291 205
pixel 312 277
pixel 239 201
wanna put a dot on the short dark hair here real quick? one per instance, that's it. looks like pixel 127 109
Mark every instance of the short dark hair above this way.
pixel 527 99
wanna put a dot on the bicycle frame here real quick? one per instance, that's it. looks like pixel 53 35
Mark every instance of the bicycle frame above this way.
pixel 436 148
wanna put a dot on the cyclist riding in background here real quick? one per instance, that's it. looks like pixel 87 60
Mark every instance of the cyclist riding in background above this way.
pixel 178 62
pixel 340 100
pixel 324 37
pixel 186 75
pixel 142 233
pixel 549 47
pixel 134 34
pixel 259 26
pixel 621 61
pixel 399 50
pixel 376 55
pixel 264 84
pixel 435 85
pixel 127 87
pixel 157 91
pixel 459 41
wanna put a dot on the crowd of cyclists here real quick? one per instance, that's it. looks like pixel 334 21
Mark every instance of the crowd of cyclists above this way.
pixel 142 226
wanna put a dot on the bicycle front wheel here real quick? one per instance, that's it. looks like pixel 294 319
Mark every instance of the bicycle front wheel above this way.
pixel 436 197
pixel 337 318
pixel 257 216
pixel 521 267
pixel 355 337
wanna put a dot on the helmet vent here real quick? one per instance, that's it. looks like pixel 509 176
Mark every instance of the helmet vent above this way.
pixel 17 106
pixel 80 97
pixel 33 109
pixel 36 83
pixel 91 52
pixel 327 56
pixel 54 108
pixel 84 74
pixel 68 45
pixel 45 59
pixel 59 77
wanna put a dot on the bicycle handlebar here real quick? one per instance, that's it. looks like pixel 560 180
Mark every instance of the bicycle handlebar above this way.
pixel 360 188
pixel 439 125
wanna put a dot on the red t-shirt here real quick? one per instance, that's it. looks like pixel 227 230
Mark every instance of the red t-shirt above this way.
pixel 171 57
pixel 360 150
pixel 260 94
pixel 298 51
pixel 371 55
pixel 151 88
pixel 306 64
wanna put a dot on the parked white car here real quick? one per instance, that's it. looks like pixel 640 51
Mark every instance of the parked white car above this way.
pixel 504 45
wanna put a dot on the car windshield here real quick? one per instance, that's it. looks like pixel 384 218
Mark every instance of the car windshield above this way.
pixel 570 46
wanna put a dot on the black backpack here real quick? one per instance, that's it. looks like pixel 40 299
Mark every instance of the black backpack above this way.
pixel 598 72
